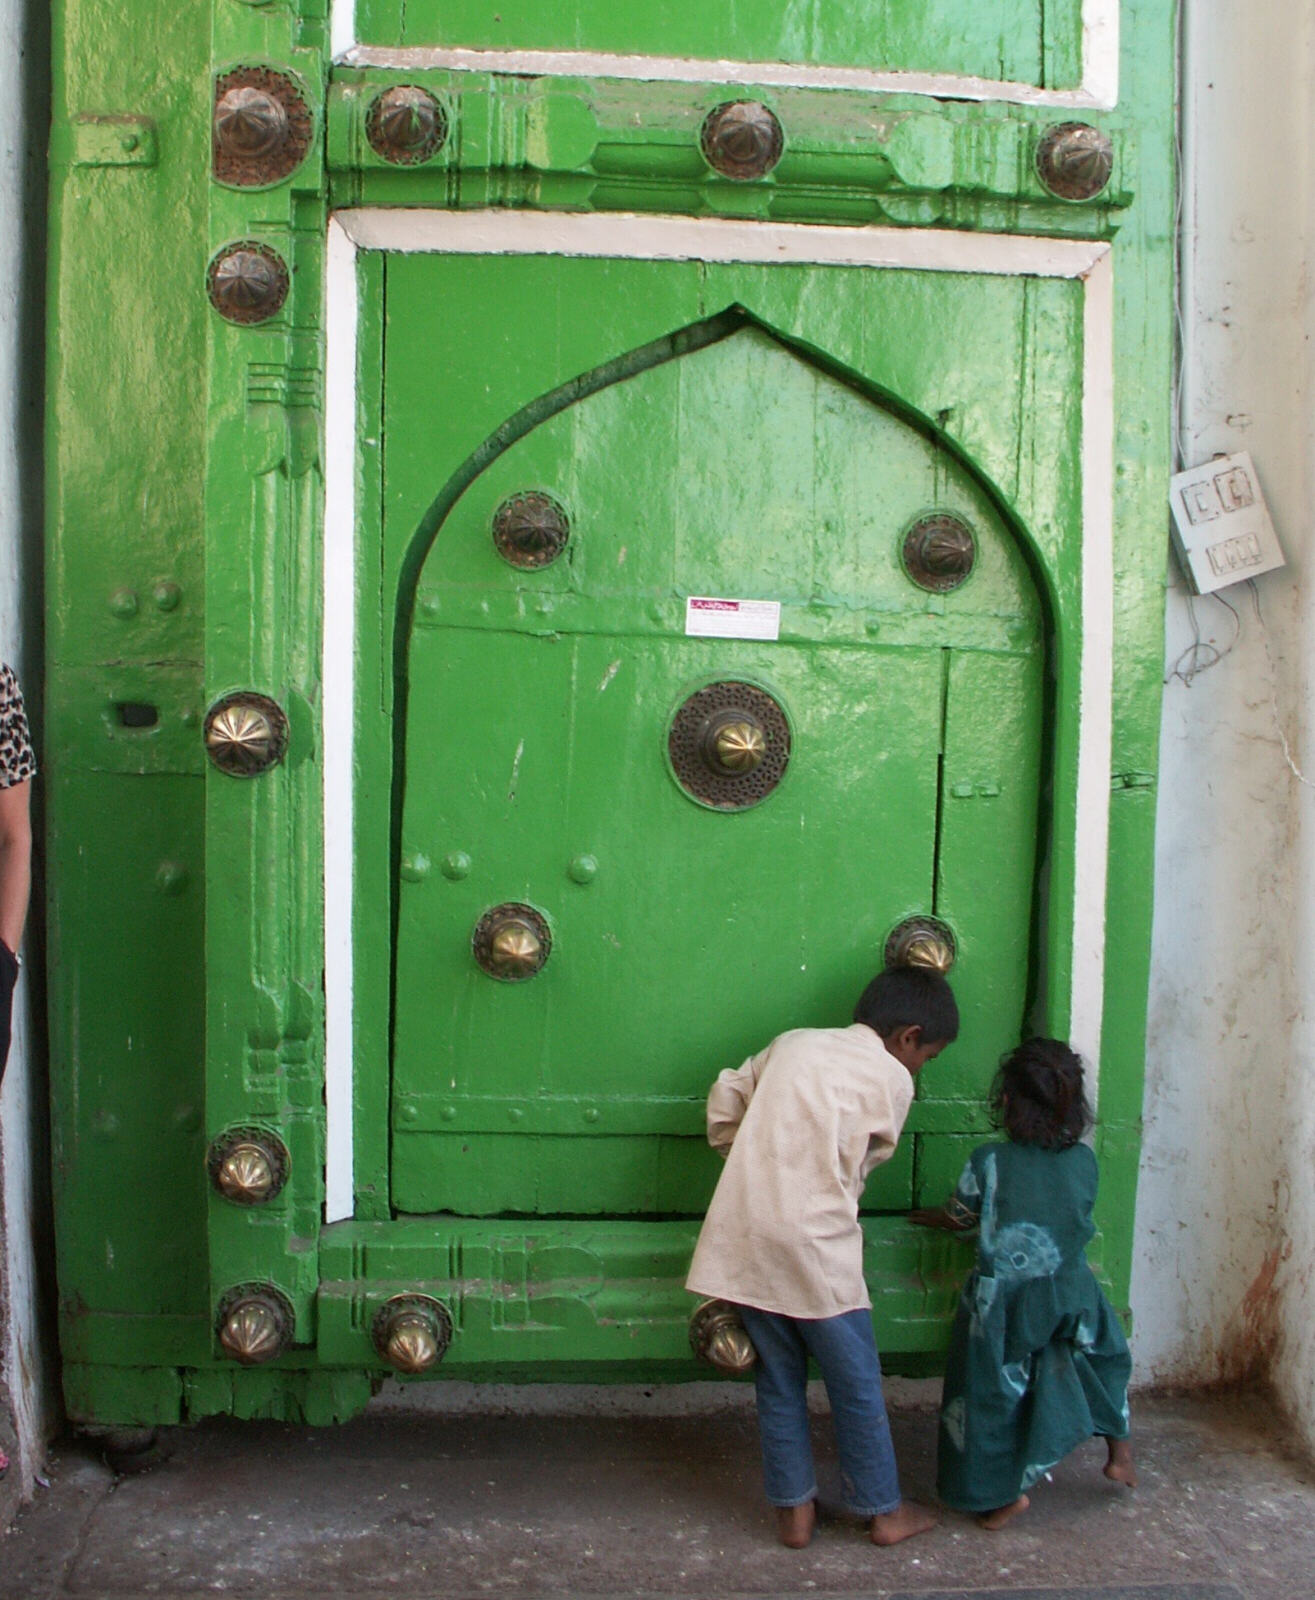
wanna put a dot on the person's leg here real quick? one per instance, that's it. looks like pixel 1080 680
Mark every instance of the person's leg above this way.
pixel 780 1378
pixel 845 1350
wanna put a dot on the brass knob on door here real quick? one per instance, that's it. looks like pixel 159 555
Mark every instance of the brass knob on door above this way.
pixel 248 1165
pixel 511 942
pixel 718 1337
pixel 735 742
pixel 255 1323
pixel 921 942
pixel 412 1332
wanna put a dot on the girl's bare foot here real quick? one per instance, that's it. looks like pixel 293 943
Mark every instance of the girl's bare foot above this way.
pixel 995 1520
pixel 1120 1466
pixel 908 1518
pixel 795 1524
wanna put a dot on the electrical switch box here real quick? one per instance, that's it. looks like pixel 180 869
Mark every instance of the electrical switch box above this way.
pixel 1221 525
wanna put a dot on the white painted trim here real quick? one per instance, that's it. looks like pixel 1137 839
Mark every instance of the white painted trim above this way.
pixel 339 719
pixel 678 238
pixel 342 28
pixel 1098 90
pixel 663 238
pixel 1096 677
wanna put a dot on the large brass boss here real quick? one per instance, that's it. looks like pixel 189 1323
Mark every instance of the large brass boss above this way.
pixel 729 745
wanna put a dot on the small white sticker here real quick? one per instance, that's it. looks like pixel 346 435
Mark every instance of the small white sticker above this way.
pixel 708 618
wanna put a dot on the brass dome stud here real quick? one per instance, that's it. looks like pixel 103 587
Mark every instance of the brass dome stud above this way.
pixel 921 942
pixel 729 745
pixel 735 742
pixel 939 552
pixel 248 121
pixel 247 282
pixel 719 1339
pixel 255 1323
pixel 245 734
pixel 530 529
pixel 741 139
pixel 412 1332
pixel 260 128
pixel 512 942
pixel 1074 160
pixel 248 1165
pixel 406 125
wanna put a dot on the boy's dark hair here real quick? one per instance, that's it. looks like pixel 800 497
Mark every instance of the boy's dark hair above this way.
pixel 1037 1096
pixel 904 997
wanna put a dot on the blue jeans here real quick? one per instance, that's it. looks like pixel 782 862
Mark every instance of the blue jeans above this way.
pixel 845 1350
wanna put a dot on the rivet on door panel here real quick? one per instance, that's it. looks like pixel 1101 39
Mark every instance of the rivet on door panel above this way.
pixel 255 1323
pixel 512 942
pixel 412 1332
pixel 729 745
pixel 530 529
pixel 741 139
pixel 921 942
pixel 939 552
pixel 406 125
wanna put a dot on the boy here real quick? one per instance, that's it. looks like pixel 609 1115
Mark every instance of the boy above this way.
pixel 802 1125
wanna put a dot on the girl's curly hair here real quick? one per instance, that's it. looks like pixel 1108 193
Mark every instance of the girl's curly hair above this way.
pixel 1037 1097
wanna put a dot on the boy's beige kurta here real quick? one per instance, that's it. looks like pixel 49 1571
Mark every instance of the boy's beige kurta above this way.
pixel 802 1124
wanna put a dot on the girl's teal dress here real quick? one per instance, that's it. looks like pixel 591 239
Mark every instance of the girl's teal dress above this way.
pixel 1038 1362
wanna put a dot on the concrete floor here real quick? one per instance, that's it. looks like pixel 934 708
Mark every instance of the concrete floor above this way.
pixel 631 1492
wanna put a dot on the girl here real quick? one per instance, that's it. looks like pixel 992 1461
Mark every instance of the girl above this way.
pixel 1038 1361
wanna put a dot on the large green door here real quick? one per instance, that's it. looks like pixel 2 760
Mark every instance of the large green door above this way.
pixel 781 308
pixel 556 772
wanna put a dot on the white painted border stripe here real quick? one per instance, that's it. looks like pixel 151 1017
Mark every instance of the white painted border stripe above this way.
pixel 678 238
pixel 338 677
pixel 1096 682
pixel 647 238
pixel 1098 90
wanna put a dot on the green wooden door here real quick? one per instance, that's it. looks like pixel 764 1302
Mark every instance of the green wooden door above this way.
pixel 688 919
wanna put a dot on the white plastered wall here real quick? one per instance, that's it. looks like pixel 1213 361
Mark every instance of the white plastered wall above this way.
pixel 23 1365
pixel 1226 1217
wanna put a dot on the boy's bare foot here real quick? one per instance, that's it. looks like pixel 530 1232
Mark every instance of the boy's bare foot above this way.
pixel 907 1519
pixel 995 1520
pixel 1120 1465
pixel 795 1524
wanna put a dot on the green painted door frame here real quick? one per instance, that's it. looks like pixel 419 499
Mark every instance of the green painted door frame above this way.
pixel 541 199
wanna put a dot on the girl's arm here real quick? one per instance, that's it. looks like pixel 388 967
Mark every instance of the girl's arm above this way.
pixel 15 860
pixel 951 1218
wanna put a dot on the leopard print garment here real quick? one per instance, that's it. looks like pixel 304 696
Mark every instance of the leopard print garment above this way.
pixel 17 758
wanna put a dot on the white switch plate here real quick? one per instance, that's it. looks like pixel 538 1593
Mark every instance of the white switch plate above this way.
pixel 1221 524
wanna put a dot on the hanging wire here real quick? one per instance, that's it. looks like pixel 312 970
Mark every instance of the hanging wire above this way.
pixel 1293 768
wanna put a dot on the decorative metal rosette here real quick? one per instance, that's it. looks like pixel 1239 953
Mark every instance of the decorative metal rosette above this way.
pixel 1074 160
pixel 512 941
pixel 412 1332
pixel 939 552
pixel 260 129
pixel 406 125
pixel 247 282
pixel 248 1165
pixel 255 1323
pixel 245 734
pixel 530 529
pixel 729 745
pixel 922 942
pixel 741 139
